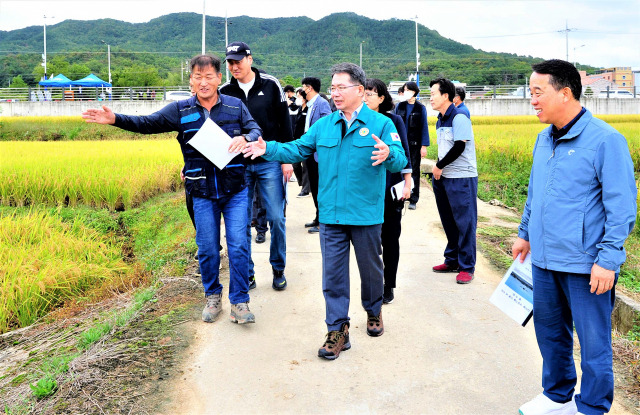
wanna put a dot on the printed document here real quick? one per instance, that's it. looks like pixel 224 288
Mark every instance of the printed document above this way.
pixel 396 189
pixel 213 143
pixel 514 294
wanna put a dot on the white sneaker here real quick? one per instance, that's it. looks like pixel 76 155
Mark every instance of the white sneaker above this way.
pixel 541 405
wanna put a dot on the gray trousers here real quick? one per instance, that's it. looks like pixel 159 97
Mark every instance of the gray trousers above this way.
pixel 335 243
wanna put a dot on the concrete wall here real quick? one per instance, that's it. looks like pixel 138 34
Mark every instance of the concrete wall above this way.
pixel 523 106
pixel 476 107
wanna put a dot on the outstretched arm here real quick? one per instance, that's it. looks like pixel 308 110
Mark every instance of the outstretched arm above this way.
pixel 100 116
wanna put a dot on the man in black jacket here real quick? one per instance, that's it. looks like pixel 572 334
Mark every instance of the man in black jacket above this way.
pixel 267 103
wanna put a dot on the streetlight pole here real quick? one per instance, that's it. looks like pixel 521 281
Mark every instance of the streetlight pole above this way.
pixel 44 55
pixel 203 23
pixel 226 42
pixel 417 56
pixel 108 58
pixel 361 53
pixel 575 58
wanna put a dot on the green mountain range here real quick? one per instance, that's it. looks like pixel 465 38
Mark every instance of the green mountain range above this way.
pixel 155 53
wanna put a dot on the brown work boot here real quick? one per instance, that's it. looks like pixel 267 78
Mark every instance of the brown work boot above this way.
pixel 375 327
pixel 337 341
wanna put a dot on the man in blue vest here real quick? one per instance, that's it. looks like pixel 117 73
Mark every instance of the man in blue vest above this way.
pixel 214 191
pixel 455 182
pixel 355 145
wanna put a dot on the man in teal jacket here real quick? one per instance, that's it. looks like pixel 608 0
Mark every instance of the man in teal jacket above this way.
pixel 580 209
pixel 355 147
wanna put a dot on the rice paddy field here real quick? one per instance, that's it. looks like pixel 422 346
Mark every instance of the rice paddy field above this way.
pixel 53 167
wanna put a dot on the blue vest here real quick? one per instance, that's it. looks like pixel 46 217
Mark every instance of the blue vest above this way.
pixel 202 178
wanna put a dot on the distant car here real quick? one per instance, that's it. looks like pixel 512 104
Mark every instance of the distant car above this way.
pixel 615 94
pixel 177 95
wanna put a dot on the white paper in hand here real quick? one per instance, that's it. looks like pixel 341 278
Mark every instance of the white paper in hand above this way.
pixel 514 294
pixel 396 189
pixel 213 143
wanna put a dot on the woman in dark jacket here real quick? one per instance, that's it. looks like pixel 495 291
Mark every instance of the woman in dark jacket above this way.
pixel 378 99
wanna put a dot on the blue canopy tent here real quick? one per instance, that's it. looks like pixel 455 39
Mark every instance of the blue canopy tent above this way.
pixel 91 80
pixel 59 80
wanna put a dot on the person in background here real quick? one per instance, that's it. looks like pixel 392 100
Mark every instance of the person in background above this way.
pixel 318 107
pixel 455 183
pixel 414 115
pixel 298 130
pixel 580 208
pixel 266 101
pixel 355 145
pixel 378 99
pixel 214 191
pixel 458 101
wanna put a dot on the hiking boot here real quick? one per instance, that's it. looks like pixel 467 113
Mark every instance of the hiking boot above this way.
pixel 375 328
pixel 279 281
pixel 337 341
pixel 260 238
pixel 541 405
pixel 387 296
pixel 445 268
pixel 241 314
pixel 464 277
pixel 212 308
pixel 252 282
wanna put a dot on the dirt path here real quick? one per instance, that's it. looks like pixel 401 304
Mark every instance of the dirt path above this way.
pixel 445 350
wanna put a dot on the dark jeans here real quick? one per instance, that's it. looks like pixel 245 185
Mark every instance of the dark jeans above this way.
pixel 267 176
pixel 335 244
pixel 457 204
pixel 258 212
pixel 560 301
pixel 414 153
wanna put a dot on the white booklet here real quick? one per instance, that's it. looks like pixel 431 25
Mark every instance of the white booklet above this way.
pixel 514 294
pixel 213 143
pixel 396 189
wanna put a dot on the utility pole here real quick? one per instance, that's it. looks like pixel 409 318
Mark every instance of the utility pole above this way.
pixel 204 2
pixel 566 31
pixel 226 42
pixel 417 56
pixel 361 53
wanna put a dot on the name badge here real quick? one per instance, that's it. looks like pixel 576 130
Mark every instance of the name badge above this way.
pixel 364 131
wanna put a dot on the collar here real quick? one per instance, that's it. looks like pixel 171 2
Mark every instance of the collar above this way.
pixel 447 114
pixel 257 79
pixel 197 101
pixel 559 133
pixel 312 101
pixel 355 115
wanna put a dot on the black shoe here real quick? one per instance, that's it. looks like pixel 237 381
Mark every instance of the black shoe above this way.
pixel 311 224
pixel 412 206
pixel 303 194
pixel 197 272
pixel 387 296
pixel 260 238
pixel 314 229
pixel 279 281
pixel 252 282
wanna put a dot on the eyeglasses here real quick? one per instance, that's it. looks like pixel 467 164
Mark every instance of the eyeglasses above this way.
pixel 340 88
pixel 371 94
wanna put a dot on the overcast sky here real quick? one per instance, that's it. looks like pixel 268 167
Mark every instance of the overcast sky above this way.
pixel 602 33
